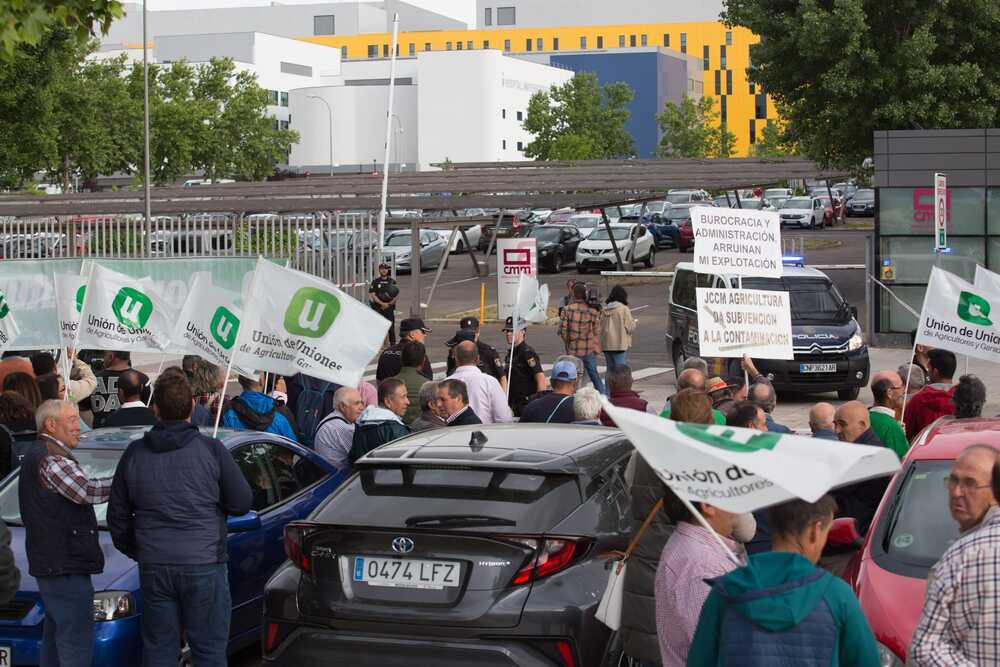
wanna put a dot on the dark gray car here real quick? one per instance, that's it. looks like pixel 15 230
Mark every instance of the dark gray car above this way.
pixel 458 546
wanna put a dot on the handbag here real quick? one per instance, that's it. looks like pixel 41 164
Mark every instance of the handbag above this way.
pixel 609 611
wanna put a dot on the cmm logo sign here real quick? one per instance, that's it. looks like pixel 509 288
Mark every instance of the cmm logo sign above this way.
pixel 923 208
pixel 517 261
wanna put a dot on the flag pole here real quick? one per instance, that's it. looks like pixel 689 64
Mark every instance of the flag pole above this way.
pixel 236 347
pixel 152 386
pixel 906 388
pixel 388 136
pixel 68 368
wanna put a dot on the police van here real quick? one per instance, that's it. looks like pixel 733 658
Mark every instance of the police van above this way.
pixel 830 353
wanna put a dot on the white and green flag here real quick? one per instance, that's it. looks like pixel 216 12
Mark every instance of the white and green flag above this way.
pixel 69 292
pixel 960 316
pixel 744 470
pixel 123 313
pixel 209 322
pixel 296 323
pixel 532 303
pixel 8 327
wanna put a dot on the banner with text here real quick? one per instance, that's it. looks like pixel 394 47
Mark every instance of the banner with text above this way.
pixel 70 290
pixel 960 317
pixel 736 241
pixel 986 279
pixel 123 313
pixel 732 322
pixel 515 258
pixel 296 323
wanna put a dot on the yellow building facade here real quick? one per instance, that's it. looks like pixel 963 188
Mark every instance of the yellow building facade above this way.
pixel 724 52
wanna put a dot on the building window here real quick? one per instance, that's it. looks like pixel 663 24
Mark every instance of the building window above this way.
pixel 555 43
pixel 527 44
pixel 729 38
pixel 718 83
pixel 753 131
pixel 458 46
pixel 722 57
pixel 469 45
pixel 427 46
pixel 729 82
pixel 489 16
pixel 343 53
pixel 704 58
pixel 373 50
pixel 506 16
pixel 583 42
pixel 666 40
pixel 539 44
pixel 520 146
pixel 760 105
pixel 631 40
pixel 723 116
pixel 520 115
pixel 600 41
pixel 621 41
pixel 284 99
pixel 272 97
pixel 642 40
pixel 323 25
pixel 506 45
pixel 486 43
pixel 275 124
pixel 385 50
pixel 283 125
pixel 504 144
pixel 684 42
pixel 413 49
pixel 447 46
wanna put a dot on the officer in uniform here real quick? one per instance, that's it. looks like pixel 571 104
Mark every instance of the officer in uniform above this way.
pixel 382 295
pixel 526 375
pixel 489 359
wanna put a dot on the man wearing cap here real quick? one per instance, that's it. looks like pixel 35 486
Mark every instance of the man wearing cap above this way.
pixel 526 375
pixel 390 362
pixel 556 406
pixel 489 359
pixel 382 295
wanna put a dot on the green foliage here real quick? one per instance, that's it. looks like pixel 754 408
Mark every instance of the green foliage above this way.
pixel 580 120
pixel 28 22
pixel 693 129
pixel 771 142
pixel 840 70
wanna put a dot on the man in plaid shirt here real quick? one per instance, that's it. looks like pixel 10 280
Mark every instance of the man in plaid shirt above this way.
pixel 57 499
pixel 580 329
pixel 959 625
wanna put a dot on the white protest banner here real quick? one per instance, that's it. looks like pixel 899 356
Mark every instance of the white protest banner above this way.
pixel 736 241
pixel 8 326
pixel 960 317
pixel 123 313
pixel 744 470
pixel 208 322
pixel 515 258
pixel 986 279
pixel 732 322
pixel 294 322
pixel 69 290
pixel 31 294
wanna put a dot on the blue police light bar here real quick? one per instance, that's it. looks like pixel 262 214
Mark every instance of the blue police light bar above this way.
pixel 793 260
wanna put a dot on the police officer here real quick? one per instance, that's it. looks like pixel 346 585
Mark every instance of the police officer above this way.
pixel 526 375
pixel 382 295
pixel 489 359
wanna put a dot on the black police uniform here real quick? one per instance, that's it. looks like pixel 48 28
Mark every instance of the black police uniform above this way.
pixel 489 361
pixel 378 286
pixel 523 385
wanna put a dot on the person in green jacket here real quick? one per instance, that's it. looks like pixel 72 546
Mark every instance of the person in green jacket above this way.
pixel 412 356
pixel 780 609
pixel 887 390
pixel 692 378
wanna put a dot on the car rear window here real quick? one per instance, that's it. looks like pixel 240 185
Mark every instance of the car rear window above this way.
pixel 388 496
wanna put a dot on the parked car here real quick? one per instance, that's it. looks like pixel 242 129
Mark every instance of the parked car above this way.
pixel 650 208
pixel 680 216
pixel 433 249
pixel 687 196
pixel 585 222
pixel 288 482
pixel 910 532
pixel 863 203
pixel 510 226
pixel 473 232
pixel 560 215
pixel 465 545
pixel 557 245
pixel 540 215
pixel 634 241
pixel 777 193
pixel 803 211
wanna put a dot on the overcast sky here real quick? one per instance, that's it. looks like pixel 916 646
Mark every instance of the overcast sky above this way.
pixel 463 10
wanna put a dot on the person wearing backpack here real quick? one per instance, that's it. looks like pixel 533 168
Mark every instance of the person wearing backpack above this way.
pixel 311 400
pixel 381 424
pixel 254 411
pixel 335 433
pixel 780 609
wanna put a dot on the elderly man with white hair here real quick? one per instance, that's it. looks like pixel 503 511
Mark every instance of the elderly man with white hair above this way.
pixel 587 407
pixel 335 433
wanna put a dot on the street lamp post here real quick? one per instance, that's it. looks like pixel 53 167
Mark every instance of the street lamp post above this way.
pixel 329 111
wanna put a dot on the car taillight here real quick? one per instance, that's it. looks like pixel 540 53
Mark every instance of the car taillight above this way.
pixel 566 653
pixel 295 536
pixel 551 555
pixel 517 223
pixel 274 634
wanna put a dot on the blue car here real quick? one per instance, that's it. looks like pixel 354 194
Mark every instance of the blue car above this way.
pixel 288 482
pixel 665 232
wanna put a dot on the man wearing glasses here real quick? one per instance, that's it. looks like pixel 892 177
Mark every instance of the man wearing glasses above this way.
pixel 958 625
pixel 887 389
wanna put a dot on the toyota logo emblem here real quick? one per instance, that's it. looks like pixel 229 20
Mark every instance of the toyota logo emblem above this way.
pixel 402 545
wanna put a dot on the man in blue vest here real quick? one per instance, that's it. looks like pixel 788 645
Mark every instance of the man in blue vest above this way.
pixel 57 507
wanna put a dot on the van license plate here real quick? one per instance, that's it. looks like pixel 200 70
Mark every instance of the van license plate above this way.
pixel 406 572
pixel 817 368
pixel 5 660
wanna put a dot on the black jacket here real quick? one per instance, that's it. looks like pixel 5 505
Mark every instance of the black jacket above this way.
pixel 10 576
pixel 390 362
pixel 172 491
pixel 466 417
pixel 137 416
pixel 638 627
pixel 860 500
pixel 60 536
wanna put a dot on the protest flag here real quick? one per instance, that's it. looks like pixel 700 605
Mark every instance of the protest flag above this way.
pixel 123 313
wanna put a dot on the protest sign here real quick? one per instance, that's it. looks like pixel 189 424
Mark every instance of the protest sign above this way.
pixel 123 313
pixel 70 290
pixel 960 317
pixel 732 322
pixel 296 323
pixel 734 241
pixel 744 470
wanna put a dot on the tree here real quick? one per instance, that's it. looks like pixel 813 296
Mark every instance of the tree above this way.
pixel 26 22
pixel 838 71
pixel 580 120
pixel 693 129
pixel 772 142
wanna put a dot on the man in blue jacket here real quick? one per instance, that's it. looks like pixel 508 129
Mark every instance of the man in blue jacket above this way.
pixel 253 410
pixel 172 491
pixel 781 609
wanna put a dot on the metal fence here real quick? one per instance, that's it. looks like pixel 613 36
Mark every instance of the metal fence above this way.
pixel 342 248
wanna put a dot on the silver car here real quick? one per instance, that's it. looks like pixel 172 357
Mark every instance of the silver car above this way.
pixel 433 249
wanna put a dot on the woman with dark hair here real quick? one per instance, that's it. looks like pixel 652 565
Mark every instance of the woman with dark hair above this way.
pixel 51 387
pixel 617 325
pixel 25 385
pixel 969 397
pixel 17 425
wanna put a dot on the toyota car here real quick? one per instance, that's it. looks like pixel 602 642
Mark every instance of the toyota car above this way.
pixel 460 546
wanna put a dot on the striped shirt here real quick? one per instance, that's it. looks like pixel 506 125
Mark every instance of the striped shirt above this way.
pixel 580 329
pixel 64 475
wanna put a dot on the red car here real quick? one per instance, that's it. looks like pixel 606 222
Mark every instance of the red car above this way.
pixel 911 531
pixel 833 214
pixel 685 237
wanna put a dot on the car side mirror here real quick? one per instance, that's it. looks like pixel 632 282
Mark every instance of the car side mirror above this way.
pixel 844 533
pixel 243 524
